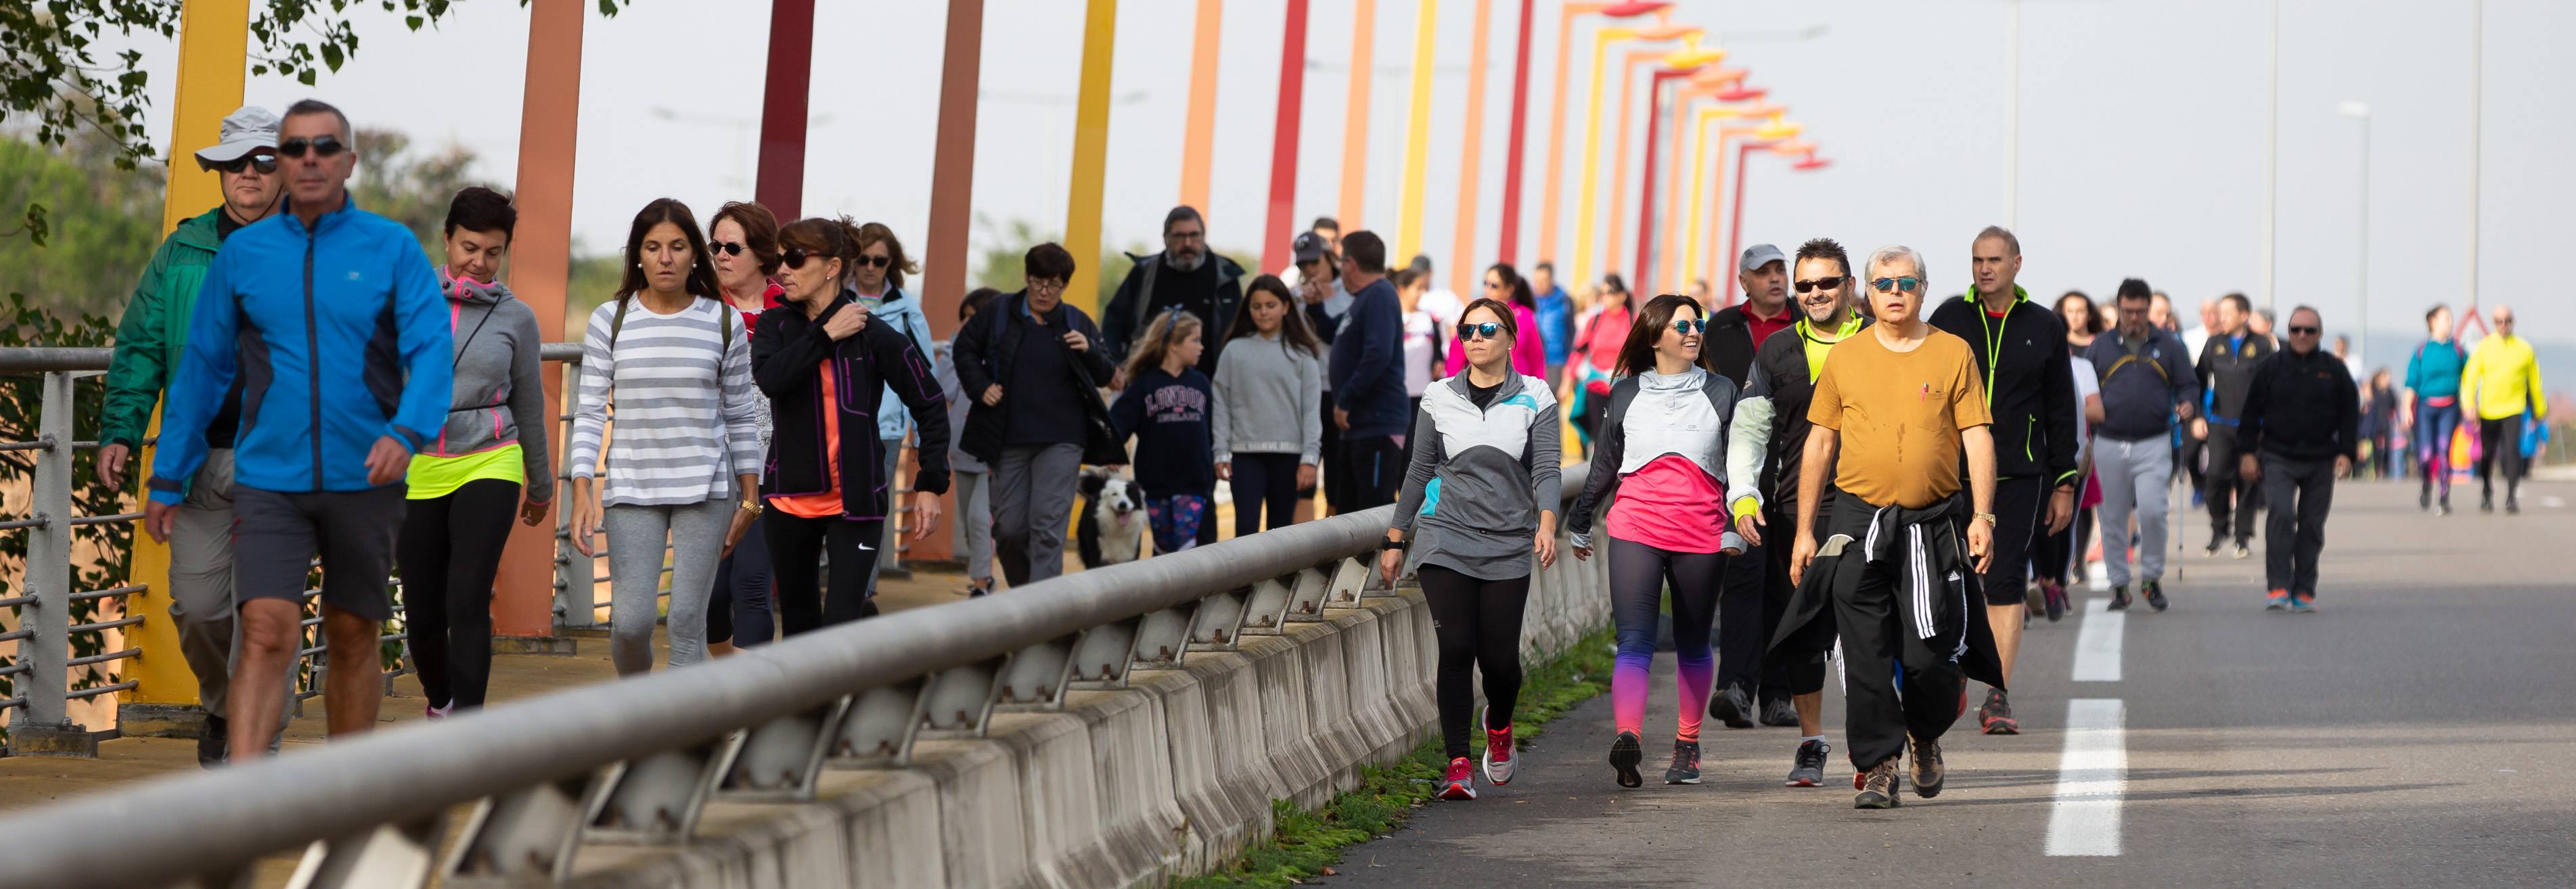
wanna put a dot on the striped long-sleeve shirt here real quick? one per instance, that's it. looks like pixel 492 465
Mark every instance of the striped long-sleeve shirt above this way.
pixel 684 404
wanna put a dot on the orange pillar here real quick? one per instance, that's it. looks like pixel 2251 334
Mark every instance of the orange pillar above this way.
pixel 952 169
pixel 1355 123
pixel 1198 139
pixel 540 271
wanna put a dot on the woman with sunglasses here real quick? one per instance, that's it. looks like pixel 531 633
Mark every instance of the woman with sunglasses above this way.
pixel 1480 498
pixel 1663 446
pixel 743 239
pixel 823 367
pixel 1529 355
pixel 675 361
pixel 1589 364
pixel 876 279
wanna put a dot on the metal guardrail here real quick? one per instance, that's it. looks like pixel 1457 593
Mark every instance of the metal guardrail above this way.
pixel 636 761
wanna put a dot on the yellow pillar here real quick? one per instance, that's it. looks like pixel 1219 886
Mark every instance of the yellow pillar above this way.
pixel 1090 154
pixel 1417 138
pixel 214 39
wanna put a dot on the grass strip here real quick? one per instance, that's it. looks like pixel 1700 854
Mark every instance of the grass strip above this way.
pixel 1305 843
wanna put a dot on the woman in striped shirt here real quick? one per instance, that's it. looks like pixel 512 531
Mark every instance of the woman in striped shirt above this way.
pixel 675 361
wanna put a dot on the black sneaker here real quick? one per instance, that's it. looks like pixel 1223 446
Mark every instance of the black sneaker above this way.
pixel 2512 506
pixel 2214 542
pixel 1685 767
pixel 1995 716
pixel 2156 595
pixel 2424 498
pixel 1732 705
pixel 214 742
pixel 1807 769
pixel 2120 598
pixel 2443 508
pixel 1928 770
pixel 2486 503
pixel 1877 786
pixel 1779 713
pixel 1625 754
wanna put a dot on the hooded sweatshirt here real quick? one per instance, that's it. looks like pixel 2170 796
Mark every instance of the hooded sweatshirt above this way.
pixel 498 392
pixel 1479 477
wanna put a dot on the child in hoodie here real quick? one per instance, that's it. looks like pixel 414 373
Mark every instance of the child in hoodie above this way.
pixel 1166 408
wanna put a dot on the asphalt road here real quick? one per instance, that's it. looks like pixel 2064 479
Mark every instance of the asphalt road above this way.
pixel 2420 730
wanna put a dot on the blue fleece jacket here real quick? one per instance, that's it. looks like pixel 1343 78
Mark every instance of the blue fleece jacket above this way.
pixel 1367 379
pixel 339 334
pixel 902 311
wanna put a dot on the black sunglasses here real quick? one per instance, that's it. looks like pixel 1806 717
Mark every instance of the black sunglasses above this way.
pixel 1482 331
pixel 2296 330
pixel 728 248
pixel 876 261
pixel 264 161
pixel 322 146
pixel 1826 283
pixel 795 257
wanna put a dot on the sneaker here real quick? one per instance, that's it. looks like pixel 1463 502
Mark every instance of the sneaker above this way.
pixel 2242 550
pixel 2512 506
pixel 2155 590
pixel 2443 508
pixel 1498 751
pixel 214 742
pixel 1685 767
pixel 2053 601
pixel 1459 783
pixel 1732 705
pixel 1779 713
pixel 2212 549
pixel 2303 603
pixel 1807 768
pixel 1877 786
pixel 2486 503
pixel 2424 498
pixel 1995 716
pixel 436 712
pixel 1928 770
pixel 2276 600
pixel 2120 598
pixel 1625 754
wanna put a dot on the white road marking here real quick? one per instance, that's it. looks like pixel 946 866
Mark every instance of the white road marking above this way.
pixel 2092 776
pixel 2095 578
pixel 2097 643
pixel 2553 503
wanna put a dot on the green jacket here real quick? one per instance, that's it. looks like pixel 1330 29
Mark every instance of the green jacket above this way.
pixel 155 328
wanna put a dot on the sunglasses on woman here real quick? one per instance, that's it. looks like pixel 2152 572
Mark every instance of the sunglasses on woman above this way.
pixel 876 261
pixel 728 248
pixel 1688 326
pixel 321 146
pixel 795 257
pixel 1908 284
pixel 1482 331
pixel 264 161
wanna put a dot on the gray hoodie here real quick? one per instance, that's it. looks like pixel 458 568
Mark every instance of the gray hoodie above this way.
pixel 1269 400
pixel 1480 477
pixel 499 397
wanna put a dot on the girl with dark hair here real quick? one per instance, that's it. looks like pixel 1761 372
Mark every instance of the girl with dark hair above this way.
pixel 1529 355
pixel 1166 408
pixel 2084 320
pixel 464 485
pixel 968 478
pixel 743 240
pixel 1480 497
pixel 1269 407
pixel 687 453
pixel 823 366
pixel 1663 445
pixel 1591 362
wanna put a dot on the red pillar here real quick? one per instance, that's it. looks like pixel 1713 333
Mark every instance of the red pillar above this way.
pixel 1280 226
pixel 1735 228
pixel 540 271
pixel 1509 248
pixel 952 168
pixel 781 185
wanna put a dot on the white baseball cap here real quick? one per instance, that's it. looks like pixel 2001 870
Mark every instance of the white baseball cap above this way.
pixel 249 129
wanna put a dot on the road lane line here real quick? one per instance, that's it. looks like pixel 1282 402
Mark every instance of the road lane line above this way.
pixel 2097 642
pixel 2092 776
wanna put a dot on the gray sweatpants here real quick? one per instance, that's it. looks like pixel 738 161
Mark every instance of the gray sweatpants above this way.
pixel 973 521
pixel 696 532
pixel 2136 476
pixel 1033 488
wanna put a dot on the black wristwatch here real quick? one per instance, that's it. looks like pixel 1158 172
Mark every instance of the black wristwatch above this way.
pixel 1385 545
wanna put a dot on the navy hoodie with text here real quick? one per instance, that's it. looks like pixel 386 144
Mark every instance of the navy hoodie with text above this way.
pixel 1175 437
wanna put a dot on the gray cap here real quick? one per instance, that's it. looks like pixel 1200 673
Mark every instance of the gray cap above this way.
pixel 246 130
pixel 1760 255
pixel 1309 246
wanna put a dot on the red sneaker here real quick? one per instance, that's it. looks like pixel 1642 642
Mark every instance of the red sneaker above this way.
pixel 1460 782
pixel 1498 752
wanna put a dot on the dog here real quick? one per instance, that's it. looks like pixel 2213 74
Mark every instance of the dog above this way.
pixel 1112 526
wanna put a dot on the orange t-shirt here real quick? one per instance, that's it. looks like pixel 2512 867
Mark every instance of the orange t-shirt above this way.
pixel 1899 415
pixel 821 504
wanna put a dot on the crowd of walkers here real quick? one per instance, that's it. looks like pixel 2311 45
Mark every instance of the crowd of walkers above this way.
pixel 1833 468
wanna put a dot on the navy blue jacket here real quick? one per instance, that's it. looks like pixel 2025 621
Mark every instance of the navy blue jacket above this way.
pixel 1368 380
pixel 1175 435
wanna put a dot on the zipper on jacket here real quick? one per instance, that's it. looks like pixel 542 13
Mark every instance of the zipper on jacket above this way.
pixel 313 352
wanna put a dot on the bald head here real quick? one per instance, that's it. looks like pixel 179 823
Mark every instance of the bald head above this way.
pixel 2503 316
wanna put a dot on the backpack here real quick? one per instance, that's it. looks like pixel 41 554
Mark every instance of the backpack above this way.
pixel 617 324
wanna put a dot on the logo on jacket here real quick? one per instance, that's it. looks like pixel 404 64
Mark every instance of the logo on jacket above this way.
pixel 353 275
pixel 1524 400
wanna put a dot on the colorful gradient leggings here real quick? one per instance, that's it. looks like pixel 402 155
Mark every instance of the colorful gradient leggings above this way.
pixel 1638 576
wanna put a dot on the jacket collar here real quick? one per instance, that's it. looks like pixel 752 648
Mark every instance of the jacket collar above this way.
pixel 328 219
pixel 1511 386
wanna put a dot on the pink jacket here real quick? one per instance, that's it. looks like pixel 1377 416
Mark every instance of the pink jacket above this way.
pixel 1529 356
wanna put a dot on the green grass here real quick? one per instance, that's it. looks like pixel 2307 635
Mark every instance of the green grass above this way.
pixel 1306 842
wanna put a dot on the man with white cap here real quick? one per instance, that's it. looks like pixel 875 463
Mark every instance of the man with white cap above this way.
pixel 1734 333
pixel 149 341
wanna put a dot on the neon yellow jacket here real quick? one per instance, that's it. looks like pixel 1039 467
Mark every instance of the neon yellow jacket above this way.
pixel 2502 378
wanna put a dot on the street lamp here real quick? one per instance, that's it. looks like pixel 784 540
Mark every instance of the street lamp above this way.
pixel 2361 341
pixel 1708 83
pixel 1555 171
pixel 1584 204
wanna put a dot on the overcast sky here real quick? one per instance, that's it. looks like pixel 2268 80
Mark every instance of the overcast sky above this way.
pixel 2141 144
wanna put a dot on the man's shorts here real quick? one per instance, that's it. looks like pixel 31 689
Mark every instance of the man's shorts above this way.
pixel 2021 506
pixel 276 535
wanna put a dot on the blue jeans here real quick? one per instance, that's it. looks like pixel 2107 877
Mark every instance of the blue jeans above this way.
pixel 2433 428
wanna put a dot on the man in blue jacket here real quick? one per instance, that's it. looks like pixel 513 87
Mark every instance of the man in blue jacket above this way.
pixel 1369 403
pixel 333 321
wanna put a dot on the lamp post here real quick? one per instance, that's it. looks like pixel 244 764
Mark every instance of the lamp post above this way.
pixel 1708 179
pixel 1706 83
pixel 1584 206
pixel 1554 174
pixel 1679 65
pixel 1771 135
pixel 2361 252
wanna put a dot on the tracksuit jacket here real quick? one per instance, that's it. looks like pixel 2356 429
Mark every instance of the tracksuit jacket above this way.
pixel 1479 477
pixel 340 336
pixel 2227 367
pixel 2034 424
pixel 2303 407
pixel 786 349
pixel 1767 440
pixel 1685 414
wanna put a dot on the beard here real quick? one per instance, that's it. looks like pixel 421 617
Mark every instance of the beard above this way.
pixel 1184 262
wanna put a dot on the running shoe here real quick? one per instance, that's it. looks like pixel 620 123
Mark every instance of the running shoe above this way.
pixel 434 711
pixel 1732 705
pixel 1807 769
pixel 2120 598
pixel 2242 550
pixel 1685 767
pixel 1928 770
pixel 1779 713
pixel 1498 751
pixel 2424 498
pixel 2486 503
pixel 213 742
pixel 2276 600
pixel 2512 506
pixel 2443 508
pixel 1995 716
pixel 2155 590
pixel 2303 603
pixel 1877 786
pixel 2053 600
pixel 1625 754
pixel 1460 782
pixel 2212 548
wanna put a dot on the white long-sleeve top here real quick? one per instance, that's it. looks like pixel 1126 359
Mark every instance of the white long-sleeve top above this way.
pixel 686 413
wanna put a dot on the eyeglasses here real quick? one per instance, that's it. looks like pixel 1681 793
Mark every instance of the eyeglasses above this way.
pixel 266 162
pixel 1822 283
pixel 322 146
pixel 1687 326
pixel 1046 285
pixel 876 261
pixel 1185 235
pixel 2297 330
pixel 795 257
pixel 728 248
pixel 1484 331
pixel 1908 284
pixel 1493 285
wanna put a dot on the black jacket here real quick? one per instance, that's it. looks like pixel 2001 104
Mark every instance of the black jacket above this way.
pixel 786 348
pixel 1131 309
pixel 2030 390
pixel 985 349
pixel 1937 583
pixel 1780 374
pixel 1730 344
pixel 2227 376
pixel 2303 407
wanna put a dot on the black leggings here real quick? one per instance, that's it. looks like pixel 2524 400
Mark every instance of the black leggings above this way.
pixel 1478 623
pixel 449 552
pixel 739 611
pixel 1263 480
pixel 797 546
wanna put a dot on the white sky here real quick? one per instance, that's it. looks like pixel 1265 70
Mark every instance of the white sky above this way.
pixel 2141 150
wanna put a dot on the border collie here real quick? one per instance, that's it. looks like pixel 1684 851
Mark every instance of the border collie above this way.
pixel 1112 526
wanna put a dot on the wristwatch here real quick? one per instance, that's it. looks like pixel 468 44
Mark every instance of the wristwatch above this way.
pixel 1988 516
pixel 1385 545
pixel 754 507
